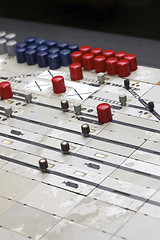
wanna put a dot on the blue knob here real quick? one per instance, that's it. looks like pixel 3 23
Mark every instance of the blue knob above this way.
pixel 30 40
pixel 62 45
pixel 32 46
pixel 73 47
pixel 65 56
pixel 42 59
pixel 54 61
pixel 20 53
pixel 21 45
pixel 54 50
pixel 42 48
pixel 41 41
pixel 51 44
pixel 31 57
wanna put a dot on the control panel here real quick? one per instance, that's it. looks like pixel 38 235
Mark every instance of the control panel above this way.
pixel 79 142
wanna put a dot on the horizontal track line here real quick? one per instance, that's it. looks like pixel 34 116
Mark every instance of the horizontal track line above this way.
pixel 93 184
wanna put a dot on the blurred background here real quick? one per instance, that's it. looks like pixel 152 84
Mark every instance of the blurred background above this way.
pixel 139 18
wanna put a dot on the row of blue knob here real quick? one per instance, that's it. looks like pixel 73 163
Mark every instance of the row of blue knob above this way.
pixel 45 53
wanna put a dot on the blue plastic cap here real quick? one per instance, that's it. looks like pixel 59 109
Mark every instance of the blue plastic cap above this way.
pixel 20 53
pixel 21 45
pixel 73 47
pixel 42 48
pixel 42 59
pixel 62 45
pixel 51 44
pixel 41 41
pixel 54 50
pixel 65 56
pixel 30 40
pixel 32 46
pixel 31 57
pixel 54 61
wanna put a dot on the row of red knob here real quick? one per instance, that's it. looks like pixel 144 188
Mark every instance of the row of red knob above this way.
pixel 113 66
pixel 114 63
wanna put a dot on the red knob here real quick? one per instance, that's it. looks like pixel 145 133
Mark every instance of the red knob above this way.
pixel 76 71
pixel 76 57
pixel 132 61
pixel 5 90
pixel 97 51
pixel 120 54
pixel 85 49
pixel 112 65
pixel 58 84
pixel 123 68
pixel 104 113
pixel 88 61
pixel 108 53
pixel 100 64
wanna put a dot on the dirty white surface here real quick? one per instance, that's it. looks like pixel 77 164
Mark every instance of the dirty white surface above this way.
pixel 108 186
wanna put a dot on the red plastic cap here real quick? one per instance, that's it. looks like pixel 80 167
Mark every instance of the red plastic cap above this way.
pixel 88 61
pixel 132 61
pixel 123 68
pixel 104 113
pixel 5 90
pixel 76 57
pixel 100 64
pixel 85 49
pixel 120 54
pixel 58 84
pixel 76 71
pixel 97 51
pixel 112 65
pixel 108 53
